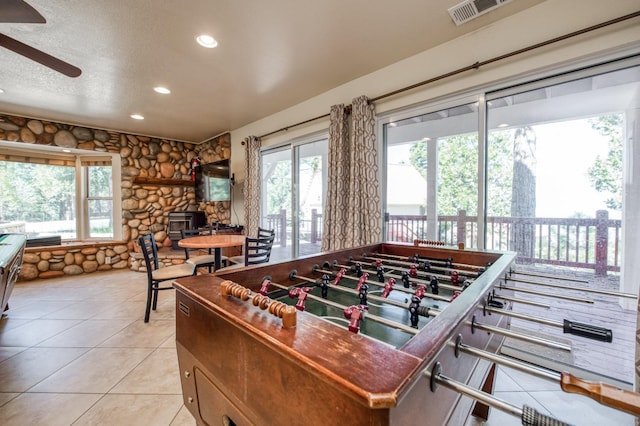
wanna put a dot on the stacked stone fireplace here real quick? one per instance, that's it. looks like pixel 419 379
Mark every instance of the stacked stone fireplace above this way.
pixel 184 220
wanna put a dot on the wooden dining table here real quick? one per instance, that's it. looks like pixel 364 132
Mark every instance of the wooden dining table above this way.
pixel 213 242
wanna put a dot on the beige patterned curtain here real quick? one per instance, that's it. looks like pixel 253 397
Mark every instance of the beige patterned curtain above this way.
pixel 352 211
pixel 251 190
pixel 335 212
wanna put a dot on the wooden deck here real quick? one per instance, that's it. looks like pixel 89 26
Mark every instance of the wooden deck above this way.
pixel 591 359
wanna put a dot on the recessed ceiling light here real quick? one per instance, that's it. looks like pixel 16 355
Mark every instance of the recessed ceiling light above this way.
pixel 1 91
pixel 162 90
pixel 503 125
pixel 137 116
pixel 207 41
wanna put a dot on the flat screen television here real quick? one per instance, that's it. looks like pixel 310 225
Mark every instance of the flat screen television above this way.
pixel 213 182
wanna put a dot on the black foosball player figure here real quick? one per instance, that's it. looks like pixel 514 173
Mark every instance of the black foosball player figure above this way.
pixel 426 266
pixel 405 279
pixel 413 310
pixel 358 269
pixel 380 273
pixel 324 285
pixel 449 263
pixel 434 285
pixel 363 293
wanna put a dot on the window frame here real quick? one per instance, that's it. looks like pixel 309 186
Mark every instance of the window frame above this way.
pixel 79 156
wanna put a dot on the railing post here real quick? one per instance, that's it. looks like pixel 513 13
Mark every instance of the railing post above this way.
pixel 283 228
pixel 602 241
pixel 462 227
pixel 314 226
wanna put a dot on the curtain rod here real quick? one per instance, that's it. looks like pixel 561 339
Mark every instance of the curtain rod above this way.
pixel 474 66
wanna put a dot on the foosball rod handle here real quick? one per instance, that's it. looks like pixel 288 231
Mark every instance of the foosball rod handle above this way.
pixel 588 331
pixel 529 416
pixel 605 394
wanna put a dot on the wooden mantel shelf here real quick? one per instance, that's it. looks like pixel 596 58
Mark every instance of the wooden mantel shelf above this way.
pixel 161 181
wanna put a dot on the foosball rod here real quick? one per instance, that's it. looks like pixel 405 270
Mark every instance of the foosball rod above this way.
pixel 396 276
pixel 466 266
pixel 529 416
pixel 407 263
pixel 404 269
pixel 366 315
pixel 354 292
pixel 377 284
pixel 542 293
pixel 564 287
pixel 519 336
pixel 553 277
pixel 568 327
pixel 603 393
pixel 524 301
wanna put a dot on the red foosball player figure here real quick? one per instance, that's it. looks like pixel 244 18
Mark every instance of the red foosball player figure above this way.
pixel 420 291
pixel 339 276
pixel 455 295
pixel 301 293
pixel 354 314
pixel 413 271
pixel 264 288
pixel 363 278
pixel 454 277
pixel 388 287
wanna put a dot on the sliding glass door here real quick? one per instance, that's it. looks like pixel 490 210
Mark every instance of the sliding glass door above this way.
pixel 293 196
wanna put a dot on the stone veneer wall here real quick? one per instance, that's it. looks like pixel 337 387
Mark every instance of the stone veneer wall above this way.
pixel 145 206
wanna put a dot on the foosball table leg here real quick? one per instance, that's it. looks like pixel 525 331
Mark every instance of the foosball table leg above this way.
pixel 481 410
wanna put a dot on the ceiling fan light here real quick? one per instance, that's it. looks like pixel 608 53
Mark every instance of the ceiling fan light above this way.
pixel 207 41
pixel 137 116
pixel 162 90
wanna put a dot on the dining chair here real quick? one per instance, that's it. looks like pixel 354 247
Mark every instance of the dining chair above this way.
pixel 156 275
pixel 262 233
pixel 200 260
pixel 256 250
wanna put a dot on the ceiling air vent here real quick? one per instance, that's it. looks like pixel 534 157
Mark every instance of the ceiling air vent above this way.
pixel 471 9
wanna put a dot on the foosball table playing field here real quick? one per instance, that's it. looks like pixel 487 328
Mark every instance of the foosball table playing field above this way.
pixel 386 334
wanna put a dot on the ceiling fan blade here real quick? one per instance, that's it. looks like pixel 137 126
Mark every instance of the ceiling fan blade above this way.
pixel 18 11
pixel 39 56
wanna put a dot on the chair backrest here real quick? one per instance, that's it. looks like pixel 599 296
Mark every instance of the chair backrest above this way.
pixel 150 252
pixel 263 232
pixel 258 250
pixel 186 233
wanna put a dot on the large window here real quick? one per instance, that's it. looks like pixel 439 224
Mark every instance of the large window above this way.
pixel 432 176
pixel 46 194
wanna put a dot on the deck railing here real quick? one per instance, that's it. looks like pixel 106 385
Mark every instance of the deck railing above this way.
pixel 575 242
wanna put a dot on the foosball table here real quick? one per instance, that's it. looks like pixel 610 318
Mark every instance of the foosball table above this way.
pixel 386 334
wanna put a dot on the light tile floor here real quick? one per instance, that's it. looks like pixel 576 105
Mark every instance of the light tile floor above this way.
pixel 75 351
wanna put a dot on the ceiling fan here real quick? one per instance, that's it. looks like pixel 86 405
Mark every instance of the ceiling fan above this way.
pixel 18 11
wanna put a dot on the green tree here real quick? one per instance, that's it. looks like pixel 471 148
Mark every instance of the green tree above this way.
pixel 458 176
pixel 606 173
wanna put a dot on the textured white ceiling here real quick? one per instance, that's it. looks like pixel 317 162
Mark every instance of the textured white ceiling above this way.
pixel 272 54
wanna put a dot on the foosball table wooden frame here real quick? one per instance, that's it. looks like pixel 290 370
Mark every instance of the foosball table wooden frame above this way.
pixel 240 365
